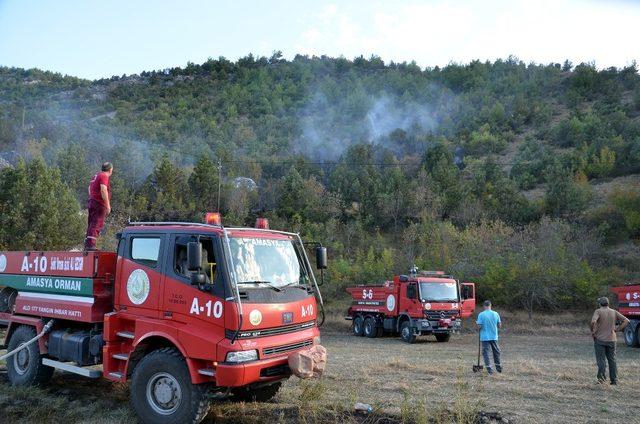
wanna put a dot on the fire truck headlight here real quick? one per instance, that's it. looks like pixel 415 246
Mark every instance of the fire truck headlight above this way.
pixel 242 356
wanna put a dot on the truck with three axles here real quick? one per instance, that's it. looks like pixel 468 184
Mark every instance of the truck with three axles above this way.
pixel 421 303
pixel 184 312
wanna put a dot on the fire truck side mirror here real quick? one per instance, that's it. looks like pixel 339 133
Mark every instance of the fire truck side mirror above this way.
pixel 194 256
pixel 198 279
pixel 467 291
pixel 321 257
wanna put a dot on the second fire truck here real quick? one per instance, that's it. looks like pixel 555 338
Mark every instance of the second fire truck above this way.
pixel 421 303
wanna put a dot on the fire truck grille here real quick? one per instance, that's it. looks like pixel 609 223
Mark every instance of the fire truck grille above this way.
pixel 245 334
pixel 436 315
pixel 285 348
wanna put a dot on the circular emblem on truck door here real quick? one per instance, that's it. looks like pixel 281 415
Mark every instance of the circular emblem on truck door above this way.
pixel 391 303
pixel 3 263
pixel 255 317
pixel 138 286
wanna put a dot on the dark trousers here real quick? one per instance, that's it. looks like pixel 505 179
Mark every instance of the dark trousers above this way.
pixel 493 345
pixel 97 213
pixel 606 350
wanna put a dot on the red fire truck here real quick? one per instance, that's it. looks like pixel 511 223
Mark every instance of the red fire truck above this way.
pixel 422 303
pixel 184 311
pixel 629 306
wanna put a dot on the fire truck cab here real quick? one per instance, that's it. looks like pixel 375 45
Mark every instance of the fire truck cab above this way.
pixel 181 310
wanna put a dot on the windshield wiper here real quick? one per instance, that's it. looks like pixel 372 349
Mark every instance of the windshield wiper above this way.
pixel 297 285
pixel 267 283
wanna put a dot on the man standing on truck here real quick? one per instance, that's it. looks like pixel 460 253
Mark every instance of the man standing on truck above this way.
pixel 489 322
pixel 99 204
pixel 603 330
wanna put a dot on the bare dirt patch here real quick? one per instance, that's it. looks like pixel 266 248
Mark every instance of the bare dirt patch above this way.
pixel 549 377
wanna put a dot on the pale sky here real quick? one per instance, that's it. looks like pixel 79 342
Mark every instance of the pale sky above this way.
pixel 94 39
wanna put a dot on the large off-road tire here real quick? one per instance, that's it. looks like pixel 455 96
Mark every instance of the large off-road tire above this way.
pixel 631 335
pixel 25 367
pixel 162 392
pixel 358 326
pixel 259 394
pixel 443 338
pixel 370 328
pixel 406 332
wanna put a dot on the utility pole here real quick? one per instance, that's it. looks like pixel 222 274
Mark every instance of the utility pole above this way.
pixel 219 181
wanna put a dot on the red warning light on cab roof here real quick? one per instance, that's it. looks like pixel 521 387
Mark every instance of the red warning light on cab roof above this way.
pixel 213 218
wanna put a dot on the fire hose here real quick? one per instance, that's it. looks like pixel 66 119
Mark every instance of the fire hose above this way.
pixel 44 331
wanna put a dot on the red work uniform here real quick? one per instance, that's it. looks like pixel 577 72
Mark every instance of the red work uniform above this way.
pixel 97 208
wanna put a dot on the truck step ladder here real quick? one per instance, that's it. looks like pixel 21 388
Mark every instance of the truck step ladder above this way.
pixel 86 372
pixel 126 334
pixel 117 375
pixel 207 371
pixel 121 356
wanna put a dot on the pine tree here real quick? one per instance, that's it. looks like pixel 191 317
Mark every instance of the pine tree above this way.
pixel 37 210
pixel 168 192
pixel 204 185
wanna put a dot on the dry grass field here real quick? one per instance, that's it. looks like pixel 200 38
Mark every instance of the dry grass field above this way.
pixel 549 378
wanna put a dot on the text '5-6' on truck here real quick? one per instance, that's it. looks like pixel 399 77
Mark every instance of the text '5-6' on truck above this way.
pixel 184 311
pixel 421 303
pixel 629 306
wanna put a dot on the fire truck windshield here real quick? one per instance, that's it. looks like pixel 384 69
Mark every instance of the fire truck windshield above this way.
pixel 439 292
pixel 268 261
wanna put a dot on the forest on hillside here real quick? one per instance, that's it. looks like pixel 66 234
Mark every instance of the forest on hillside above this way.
pixel 492 171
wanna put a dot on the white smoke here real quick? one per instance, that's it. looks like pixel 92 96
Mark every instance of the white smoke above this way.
pixel 327 132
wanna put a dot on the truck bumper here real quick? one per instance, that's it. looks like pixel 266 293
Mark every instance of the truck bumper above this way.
pixel 425 326
pixel 265 370
pixel 269 367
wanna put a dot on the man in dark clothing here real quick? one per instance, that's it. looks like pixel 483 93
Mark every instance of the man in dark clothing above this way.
pixel 603 330
pixel 99 204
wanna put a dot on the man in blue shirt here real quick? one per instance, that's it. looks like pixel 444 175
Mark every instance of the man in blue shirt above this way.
pixel 489 322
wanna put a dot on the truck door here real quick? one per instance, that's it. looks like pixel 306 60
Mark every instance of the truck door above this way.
pixel 178 302
pixel 140 278
pixel 409 300
pixel 468 296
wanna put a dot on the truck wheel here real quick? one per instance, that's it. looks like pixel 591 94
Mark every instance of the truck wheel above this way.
pixel 443 338
pixel 631 336
pixel 260 394
pixel 358 326
pixel 370 329
pixel 25 367
pixel 162 392
pixel 407 333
